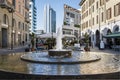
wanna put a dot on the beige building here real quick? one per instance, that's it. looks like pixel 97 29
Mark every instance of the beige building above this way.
pixel 14 22
pixel 99 18
pixel 71 27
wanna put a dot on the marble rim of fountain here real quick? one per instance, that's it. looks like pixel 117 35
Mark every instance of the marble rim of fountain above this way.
pixel 83 75
pixel 60 61
pixel 22 73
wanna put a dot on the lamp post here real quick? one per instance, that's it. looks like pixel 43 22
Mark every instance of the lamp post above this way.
pixel 12 32
pixel 99 29
pixel 11 10
pixel 100 37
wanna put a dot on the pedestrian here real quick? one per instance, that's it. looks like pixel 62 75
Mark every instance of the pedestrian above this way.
pixel 23 43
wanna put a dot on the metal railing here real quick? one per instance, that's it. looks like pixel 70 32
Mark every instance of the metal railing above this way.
pixel 6 4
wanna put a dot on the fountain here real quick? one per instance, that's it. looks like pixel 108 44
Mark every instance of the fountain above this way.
pixel 59 52
pixel 45 64
pixel 60 55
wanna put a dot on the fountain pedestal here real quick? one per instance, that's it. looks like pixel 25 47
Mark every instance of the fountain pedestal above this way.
pixel 60 53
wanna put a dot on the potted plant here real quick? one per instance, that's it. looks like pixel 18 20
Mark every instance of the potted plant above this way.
pixel 86 40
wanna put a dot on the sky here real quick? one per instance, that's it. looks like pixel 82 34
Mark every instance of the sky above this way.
pixel 58 6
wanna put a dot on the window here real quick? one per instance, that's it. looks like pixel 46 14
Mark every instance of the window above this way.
pixel 19 9
pixel 87 5
pixel 14 2
pixel 5 19
pixel 86 13
pixel 89 22
pixel 97 5
pixel 109 13
pixel 23 27
pixel 14 23
pixel 117 9
pixel 86 24
pixel 93 21
pixel 23 12
pixel 83 8
pixel 72 15
pixel 102 16
pixel 91 2
pixel 93 8
pixel 19 25
pixel 67 14
pixel 101 2
pixel 107 0
pixel 97 19
pixel 89 10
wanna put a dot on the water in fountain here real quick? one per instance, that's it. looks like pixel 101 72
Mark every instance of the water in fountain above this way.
pixel 59 39
pixel 59 52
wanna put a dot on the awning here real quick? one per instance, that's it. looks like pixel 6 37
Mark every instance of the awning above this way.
pixel 48 35
pixel 113 35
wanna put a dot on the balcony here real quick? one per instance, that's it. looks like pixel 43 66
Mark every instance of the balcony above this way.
pixel 6 4
pixel 27 6
pixel 27 20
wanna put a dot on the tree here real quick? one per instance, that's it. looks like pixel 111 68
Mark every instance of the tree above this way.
pixel 78 26
pixel 65 23
pixel 86 40
pixel 32 36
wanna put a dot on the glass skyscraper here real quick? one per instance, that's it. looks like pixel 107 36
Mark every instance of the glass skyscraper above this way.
pixel 33 15
pixel 49 19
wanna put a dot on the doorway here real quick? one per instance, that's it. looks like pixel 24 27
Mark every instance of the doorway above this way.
pixel 4 38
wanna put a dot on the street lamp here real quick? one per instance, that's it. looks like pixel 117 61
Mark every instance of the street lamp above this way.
pixel 100 37
pixel 11 10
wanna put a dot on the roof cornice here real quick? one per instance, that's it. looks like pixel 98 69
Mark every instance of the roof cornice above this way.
pixel 82 1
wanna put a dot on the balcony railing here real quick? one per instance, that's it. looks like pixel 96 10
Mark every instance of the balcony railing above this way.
pixel 6 4
pixel 27 20
pixel 27 6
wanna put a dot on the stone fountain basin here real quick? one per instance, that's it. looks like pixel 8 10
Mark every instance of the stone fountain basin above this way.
pixel 58 59
pixel 11 66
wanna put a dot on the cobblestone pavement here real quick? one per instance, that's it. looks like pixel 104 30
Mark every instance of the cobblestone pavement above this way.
pixel 111 51
pixel 22 49
pixel 14 50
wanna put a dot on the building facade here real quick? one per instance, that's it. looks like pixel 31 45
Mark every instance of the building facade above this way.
pixel 99 18
pixel 71 25
pixel 14 22
pixel 49 19
pixel 33 16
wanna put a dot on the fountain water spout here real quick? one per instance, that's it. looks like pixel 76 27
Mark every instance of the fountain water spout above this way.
pixel 59 39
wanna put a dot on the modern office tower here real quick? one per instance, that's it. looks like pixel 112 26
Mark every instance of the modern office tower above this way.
pixel 71 22
pixel 14 22
pixel 99 18
pixel 49 19
pixel 33 16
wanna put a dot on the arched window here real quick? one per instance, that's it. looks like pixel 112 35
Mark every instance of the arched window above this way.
pixel 109 32
pixel 116 28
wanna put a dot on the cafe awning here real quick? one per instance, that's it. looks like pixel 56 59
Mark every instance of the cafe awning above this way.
pixel 113 35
